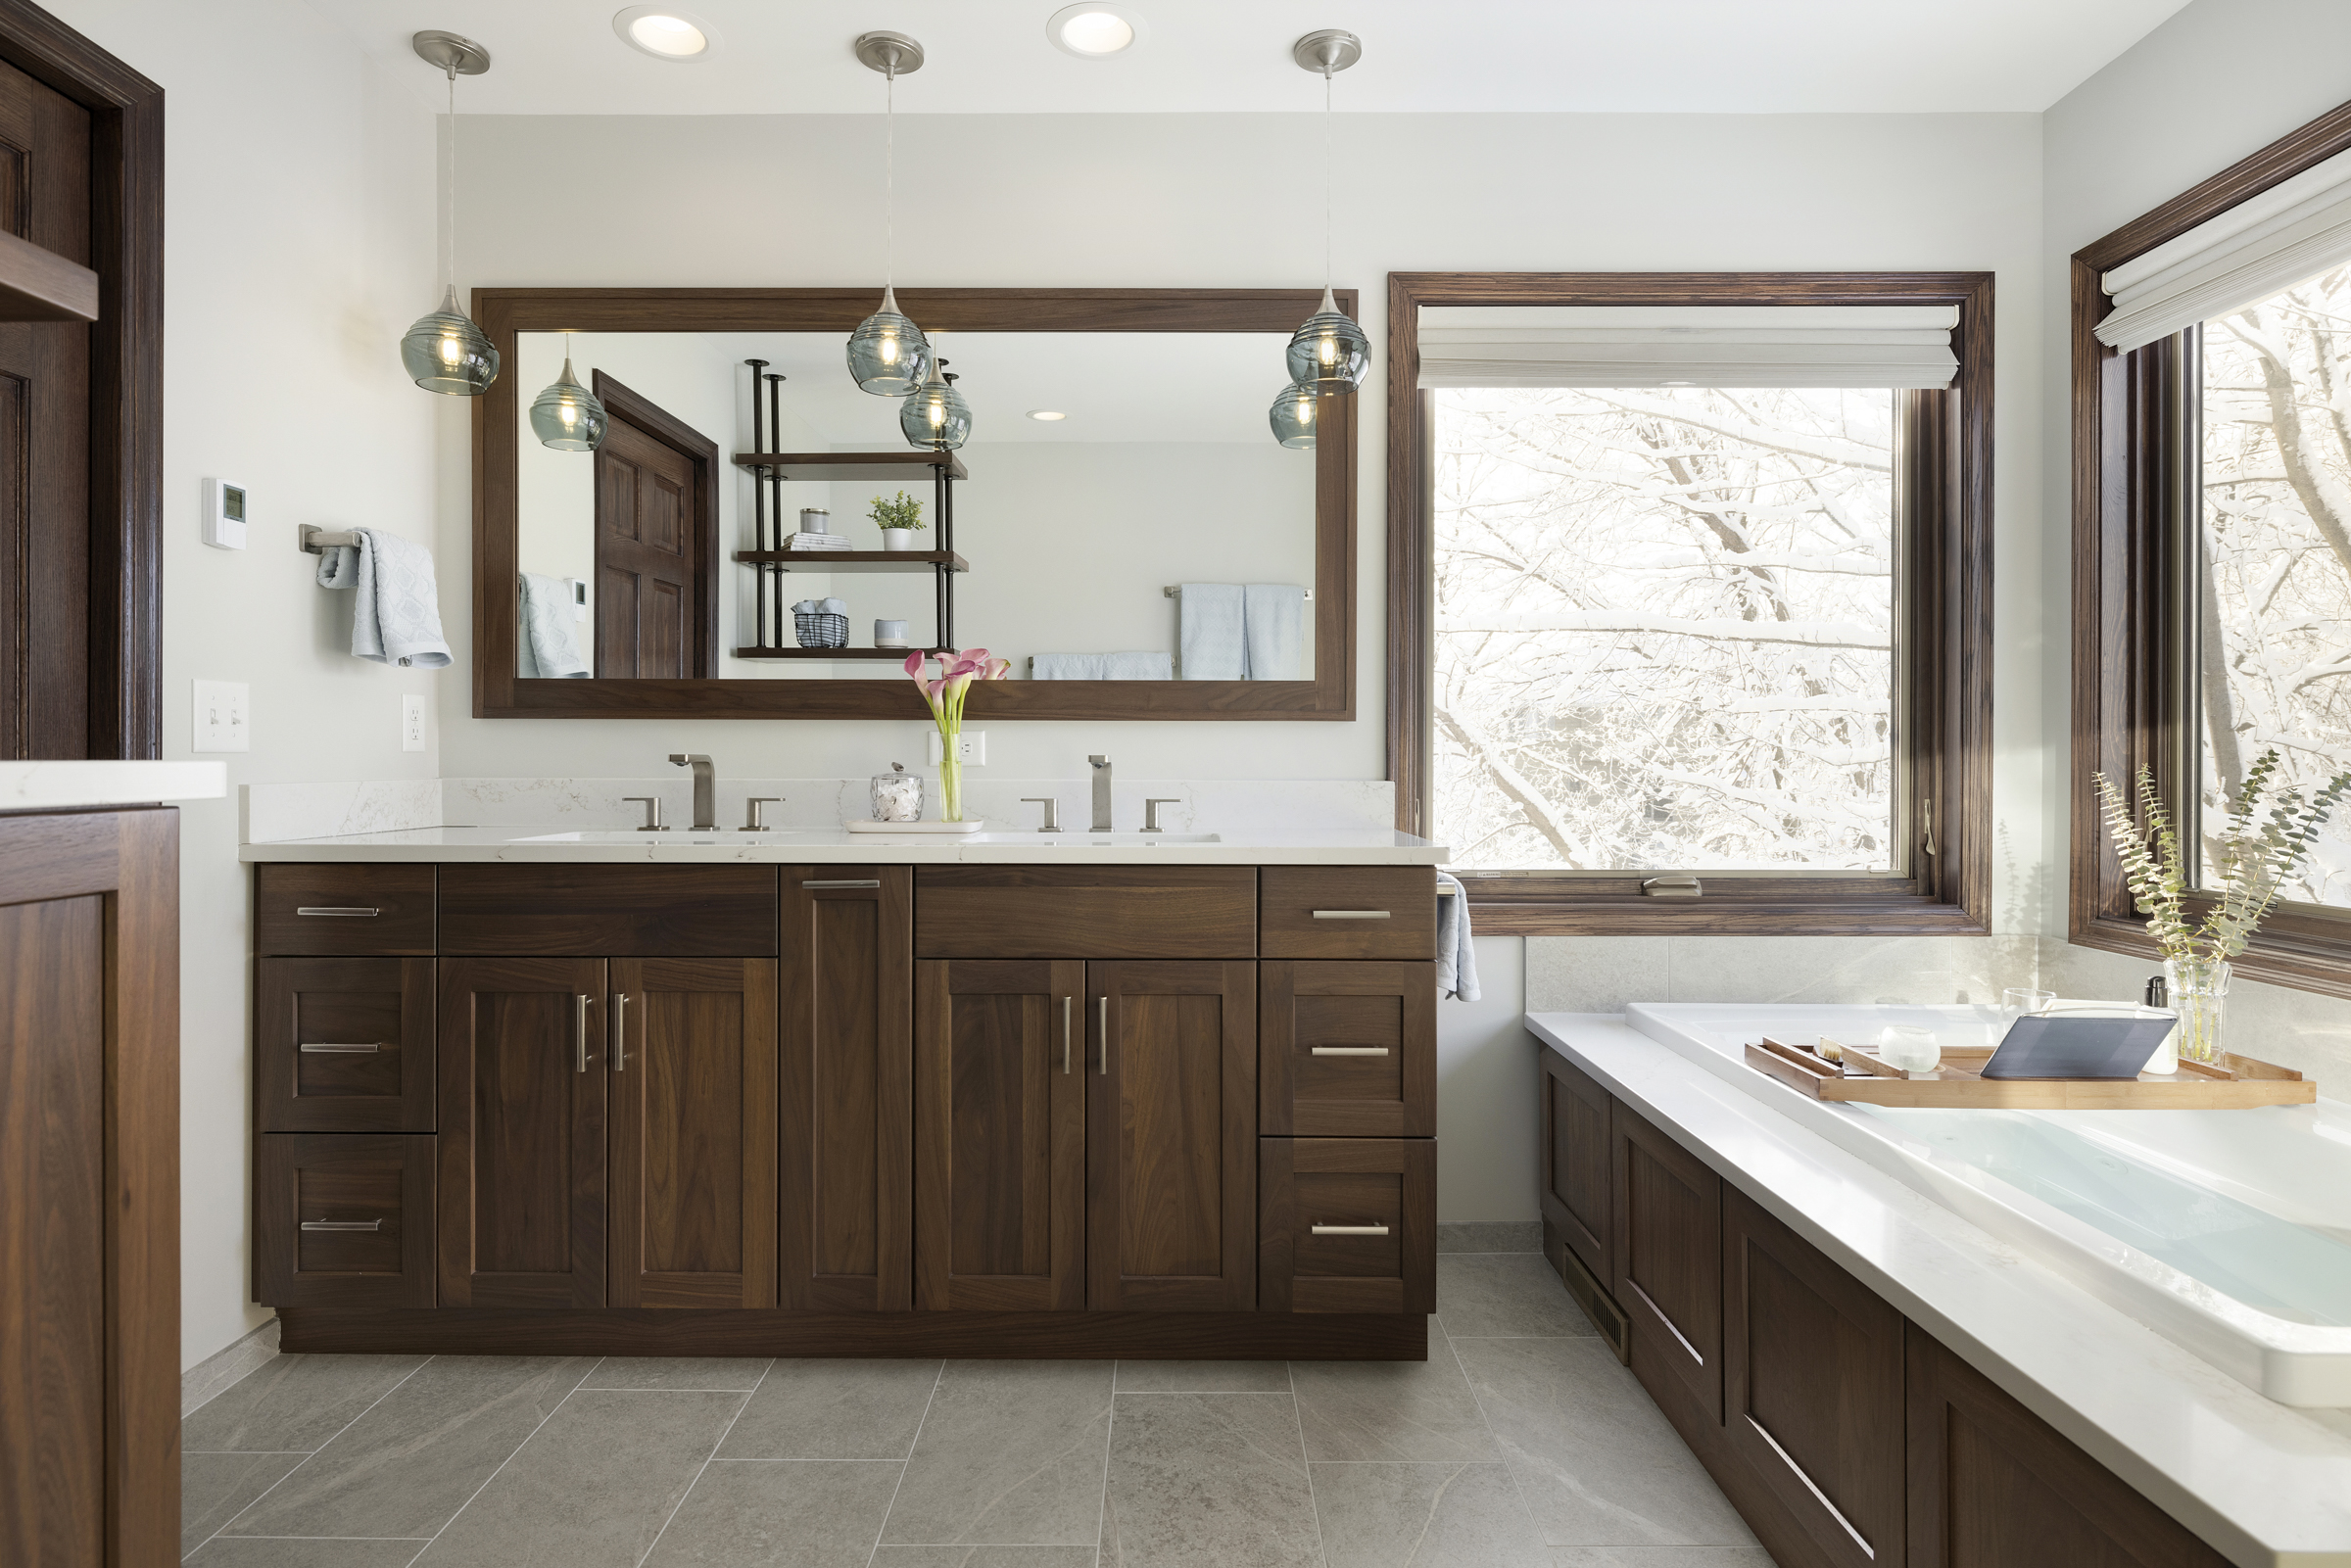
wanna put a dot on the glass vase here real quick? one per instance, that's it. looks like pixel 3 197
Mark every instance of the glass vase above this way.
pixel 2198 990
pixel 950 781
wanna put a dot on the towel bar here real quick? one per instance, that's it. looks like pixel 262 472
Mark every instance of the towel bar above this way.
pixel 1174 590
pixel 318 541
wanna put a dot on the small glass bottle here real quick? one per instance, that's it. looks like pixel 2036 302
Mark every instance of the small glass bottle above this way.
pixel 897 796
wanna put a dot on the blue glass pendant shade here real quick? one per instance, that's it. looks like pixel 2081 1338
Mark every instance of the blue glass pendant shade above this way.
pixel 1293 416
pixel 446 352
pixel 936 416
pixel 888 354
pixel 566 415
pixel 1330 353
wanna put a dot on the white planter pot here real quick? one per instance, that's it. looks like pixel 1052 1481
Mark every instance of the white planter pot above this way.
pixel 901 539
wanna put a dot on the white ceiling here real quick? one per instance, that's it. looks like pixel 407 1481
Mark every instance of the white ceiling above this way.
pixel 555 56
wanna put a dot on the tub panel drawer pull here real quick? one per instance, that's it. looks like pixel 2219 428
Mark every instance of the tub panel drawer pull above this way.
pixel 1348 1230
pixel 337 912
pixel 1351 914
pixel 322 1047
pixel 342 1224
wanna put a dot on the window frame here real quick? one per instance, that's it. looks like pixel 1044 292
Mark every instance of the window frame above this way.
pixel 1943 621
pixel 2135 451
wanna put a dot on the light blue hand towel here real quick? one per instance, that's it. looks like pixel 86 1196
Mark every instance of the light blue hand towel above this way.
pixel 1149 665
pixel 547 648
pixel 396 617
pixel 1456 959
pixel 1271 614
pixel 1211 641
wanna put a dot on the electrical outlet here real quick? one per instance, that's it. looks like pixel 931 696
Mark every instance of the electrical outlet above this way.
pixel 971 746
pixel 411 721
pixel 224 716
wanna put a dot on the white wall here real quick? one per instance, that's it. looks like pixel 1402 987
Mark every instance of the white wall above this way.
pixel 300 244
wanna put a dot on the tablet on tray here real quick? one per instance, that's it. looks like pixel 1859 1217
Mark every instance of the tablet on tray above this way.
pixel 2076 1046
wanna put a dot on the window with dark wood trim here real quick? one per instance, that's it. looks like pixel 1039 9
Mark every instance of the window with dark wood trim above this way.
pixel 2136 434
pixel 1943 624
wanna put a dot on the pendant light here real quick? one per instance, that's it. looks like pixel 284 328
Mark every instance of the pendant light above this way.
pixel 936 416
pixel 1329 353
pixel 888 354
pixel 445 351
pixel 1293 416
pixel 566 415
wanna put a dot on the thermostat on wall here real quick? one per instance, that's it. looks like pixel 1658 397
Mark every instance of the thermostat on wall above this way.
pixel 223 514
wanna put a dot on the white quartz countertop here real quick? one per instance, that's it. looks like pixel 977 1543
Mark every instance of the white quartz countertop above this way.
pixel 2265 1484
pixel 38 786
pixel 1300 847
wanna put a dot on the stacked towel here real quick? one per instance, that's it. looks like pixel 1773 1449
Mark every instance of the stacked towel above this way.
pixel 817 542
pixel 1211 633
pixel 547 648
pixel 1139 666
pixel 396 618
pixel 1456 959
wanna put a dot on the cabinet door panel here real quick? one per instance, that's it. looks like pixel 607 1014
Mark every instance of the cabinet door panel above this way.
pixel 1000 1130
pixel 342 1219
pixel 523 1132
pixel 1348 1225
pixel 343 1044
pixel 693 1132
pixel 846 1228
pixel 1347 1050
pixel 1574 1193
pixel 1170 1136
pixel 1668 1259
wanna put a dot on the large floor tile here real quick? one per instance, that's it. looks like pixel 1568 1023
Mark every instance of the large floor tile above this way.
pixel 1594 1457
pixel 408 1465
pixel 844 1410
pixel 593 1486
pixel 293 1402
pixel 228 1551
pixel 1207 1478
pixel 214 1487
pixel 1424 1516
pixel 780 1513
pixel 1483 1294
pixel 1660 1557
pixel 1010 1453
pixel 1204 1377
pixel 1397 1410
pixel 722 1373
pixel 985 1557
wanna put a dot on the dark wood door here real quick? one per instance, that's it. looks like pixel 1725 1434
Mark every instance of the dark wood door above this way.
pixel 45 642
pixel 1668 1263
pixel 1813 1369
pixel 691 1057
pixel 846 1231
pixel 1573 1192
pixel 999 1134
pixel 342 1045
pixel 1993 1486
pixel 1347 1050
pixel 653 563
pixel 523 1087
pixel 1170 1136
pixel 342 1219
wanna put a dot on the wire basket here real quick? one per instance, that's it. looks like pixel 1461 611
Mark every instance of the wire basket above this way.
pixel 818 629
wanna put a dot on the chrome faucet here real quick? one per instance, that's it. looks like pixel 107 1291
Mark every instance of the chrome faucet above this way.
pixel 1101 794
pixel 705 789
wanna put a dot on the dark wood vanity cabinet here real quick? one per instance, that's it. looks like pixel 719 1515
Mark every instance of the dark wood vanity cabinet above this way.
pixel 343 1219
pixel 1573 1193
pixel 1666 1257
pixel 342 1045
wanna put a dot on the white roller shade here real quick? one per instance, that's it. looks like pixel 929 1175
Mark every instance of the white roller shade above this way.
pixel 2294 230
pixel 1655 345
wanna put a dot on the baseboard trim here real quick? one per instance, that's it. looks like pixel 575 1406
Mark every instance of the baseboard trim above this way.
pixel 208 1378
pixel 1062 1336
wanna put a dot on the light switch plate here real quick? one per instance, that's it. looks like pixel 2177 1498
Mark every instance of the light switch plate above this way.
pixel 411 721
pixel 971 745
pixel 224 716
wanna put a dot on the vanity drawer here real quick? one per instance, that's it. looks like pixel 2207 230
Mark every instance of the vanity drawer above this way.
pixel 1347 1225
pixel 309 909
pixel 342 1045
pixel 1348 912
pixel 1347 1050
pixel 610 911
pixel 342 1219
pixel 1086 911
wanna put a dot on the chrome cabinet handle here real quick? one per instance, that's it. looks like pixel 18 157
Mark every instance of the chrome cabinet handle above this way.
pixel 321 1048
pixel 342 1224
pixel 579 1033
pixel 1351 914
pixel 1067 1003
pixel 620 1031
pixel 336 911
pixel 1349 1050
pixel 1348 1230
pixel 854 882
pixel 1104 1014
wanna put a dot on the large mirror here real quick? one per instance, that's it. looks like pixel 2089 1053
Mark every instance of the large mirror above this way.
pixel 1120 522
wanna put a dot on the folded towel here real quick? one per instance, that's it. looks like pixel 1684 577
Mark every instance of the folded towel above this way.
pixel 1456 959
pixel 817 542
pixel 1211 640
pixel 547 648
pixel 1270 616
pixel 397 617
pixel 1139 666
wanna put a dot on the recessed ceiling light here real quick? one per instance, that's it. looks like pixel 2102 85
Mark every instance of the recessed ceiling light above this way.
pixel 666 33
pixel 1093 29
pixel 1047 414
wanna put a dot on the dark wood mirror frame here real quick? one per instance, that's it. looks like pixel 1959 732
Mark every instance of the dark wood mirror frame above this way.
pixel 505 313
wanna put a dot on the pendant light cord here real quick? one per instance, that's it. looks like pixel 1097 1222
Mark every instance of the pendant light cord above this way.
pixel 1326 166
pixel 448 196
pixel 889 175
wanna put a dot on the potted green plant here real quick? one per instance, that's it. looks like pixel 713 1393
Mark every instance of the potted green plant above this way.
pixel 2267 837
pixel 900 520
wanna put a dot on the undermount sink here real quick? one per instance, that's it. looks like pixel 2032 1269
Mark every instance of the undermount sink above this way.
pixel 673 837
pixel 1072 838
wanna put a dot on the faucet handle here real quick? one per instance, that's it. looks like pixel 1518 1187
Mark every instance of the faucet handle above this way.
pixel 752 813
pixel 653 813
pixel 1098 760
pixel 1052 824
pixel 682 759
pixel 1151 811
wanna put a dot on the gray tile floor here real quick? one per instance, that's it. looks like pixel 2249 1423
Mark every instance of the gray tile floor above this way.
pixel 1519 1443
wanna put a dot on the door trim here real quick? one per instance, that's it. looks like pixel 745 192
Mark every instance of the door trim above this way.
pixel 621 403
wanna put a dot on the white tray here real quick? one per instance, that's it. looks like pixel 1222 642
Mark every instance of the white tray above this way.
pixel 971 826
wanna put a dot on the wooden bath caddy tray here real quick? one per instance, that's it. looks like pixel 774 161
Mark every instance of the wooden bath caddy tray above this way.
pixel 2237 1083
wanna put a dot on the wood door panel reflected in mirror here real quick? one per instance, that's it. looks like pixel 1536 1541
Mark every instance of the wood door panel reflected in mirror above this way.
pixel 1055 544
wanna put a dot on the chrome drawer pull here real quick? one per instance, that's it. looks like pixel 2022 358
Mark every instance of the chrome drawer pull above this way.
pixel 620 1031
pixel 1348 1230
pixel 1104 1070
pixel 1066 1003
pixel 1351 914
pixel 355 1050
pixel 579 1033
pixel 874 882
pixel 334 912
pixel 342 1224
pixel 1350 1049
